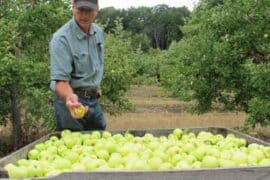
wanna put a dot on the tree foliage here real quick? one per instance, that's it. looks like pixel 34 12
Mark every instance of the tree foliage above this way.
pixel 26 100
pixel 160 23
pixel 224 58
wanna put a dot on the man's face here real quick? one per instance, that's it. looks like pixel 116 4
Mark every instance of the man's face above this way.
pixel 84 16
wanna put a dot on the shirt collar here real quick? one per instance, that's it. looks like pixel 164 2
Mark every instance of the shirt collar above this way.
pixel 79 33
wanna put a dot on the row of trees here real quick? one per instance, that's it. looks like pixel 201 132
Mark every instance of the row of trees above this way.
pixel 224 58
pixel 159 25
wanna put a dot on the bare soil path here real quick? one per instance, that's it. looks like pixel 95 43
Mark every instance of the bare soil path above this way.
pixel 156 109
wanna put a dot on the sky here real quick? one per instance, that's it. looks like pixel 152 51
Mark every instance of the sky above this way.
pixel 120 4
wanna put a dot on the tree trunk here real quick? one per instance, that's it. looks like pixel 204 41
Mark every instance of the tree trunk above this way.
pixel 15 109
pixel 16 120
pixel 32 2
pixel 157 41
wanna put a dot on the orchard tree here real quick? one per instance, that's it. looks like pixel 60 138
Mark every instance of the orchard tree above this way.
pixel 224 58
pixel 160 23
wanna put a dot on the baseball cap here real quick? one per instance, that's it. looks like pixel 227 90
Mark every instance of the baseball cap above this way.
pixel 91 4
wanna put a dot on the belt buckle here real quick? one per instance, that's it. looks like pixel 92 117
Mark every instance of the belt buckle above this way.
pixel 89 93
pixel 86 94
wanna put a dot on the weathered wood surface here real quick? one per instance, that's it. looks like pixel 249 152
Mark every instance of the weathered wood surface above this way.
pixel 251 173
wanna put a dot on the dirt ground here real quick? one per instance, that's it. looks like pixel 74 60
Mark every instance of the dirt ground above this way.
pixel 156 109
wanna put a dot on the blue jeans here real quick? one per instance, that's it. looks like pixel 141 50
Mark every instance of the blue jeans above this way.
pixel 93 119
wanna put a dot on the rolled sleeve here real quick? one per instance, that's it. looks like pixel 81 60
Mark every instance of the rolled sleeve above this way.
pixel 61 59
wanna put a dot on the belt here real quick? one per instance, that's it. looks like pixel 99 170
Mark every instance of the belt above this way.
pixel 86 93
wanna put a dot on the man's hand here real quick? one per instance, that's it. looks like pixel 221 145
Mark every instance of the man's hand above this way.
pixel 99 93
pixel 76 109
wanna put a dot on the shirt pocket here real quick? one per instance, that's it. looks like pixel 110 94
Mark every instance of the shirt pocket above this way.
pixel 100 50
pixel 81 62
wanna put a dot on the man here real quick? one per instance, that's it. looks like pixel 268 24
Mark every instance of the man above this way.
pixel 76 51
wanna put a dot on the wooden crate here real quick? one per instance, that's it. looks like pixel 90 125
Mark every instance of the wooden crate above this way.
pixel 237 173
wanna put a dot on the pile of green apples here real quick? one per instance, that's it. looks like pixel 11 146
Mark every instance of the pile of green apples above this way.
pixel 102 151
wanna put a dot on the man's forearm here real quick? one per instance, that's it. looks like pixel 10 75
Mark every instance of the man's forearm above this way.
pixel 63 89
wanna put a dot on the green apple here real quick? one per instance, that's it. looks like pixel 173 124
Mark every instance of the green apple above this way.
pixel 266 151
pixel 118 137
pixel 175 159
pixel 78 167
pixel 46 155
pixel 130 157
pixel 178 133
pixel 138 164
pixel 173 150
pixel 65 132
pixel 226 163
pixel 103 167
pixel 226 154
pixel 252 160
pixel 72 156
pixel 155 162
pixel 88 142
pixel 59 143
pixel 129 137
pixel 91 165
pixel 213 151
pixel 33 154
pixel 188 147
pixel 253 146
pixel 161 154
pixel 76 134
pixel 241 142
pixel 172 138
pixel 23 162
pixel 148 137
pixel 190 158
pixel 53 138
pixel 96 135
pixel 99 145
pixel 61 163
pixel 69 142
pixel 153 145
pixel 62 150
pixel 196 165
pixel 40 147
pixel 110 146
pixel 103 154
pixel 16 172
pixel 166 166
pixel 124 150
pixel 199 152
pixel 210 162
pixel 54 172
pixel 115 160
pixel 183 164
pixel 78 149
pixel 239 157
pixel 264 162
pixel 52 149
pixel 163 139
pixel 80 111
pixel 258 153
pixel 106 134
pixel 31 171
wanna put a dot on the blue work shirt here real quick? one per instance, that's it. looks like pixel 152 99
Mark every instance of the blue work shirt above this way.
pixel 76 56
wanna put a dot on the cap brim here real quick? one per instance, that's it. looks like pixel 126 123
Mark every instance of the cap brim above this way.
pixel 85 4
